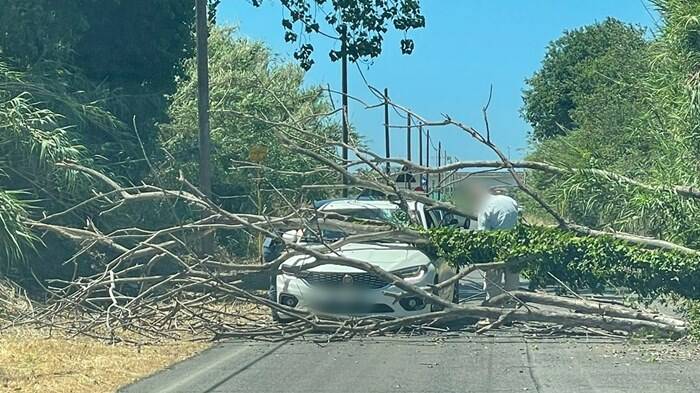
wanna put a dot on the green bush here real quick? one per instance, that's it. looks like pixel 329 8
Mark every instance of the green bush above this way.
pixel 580 261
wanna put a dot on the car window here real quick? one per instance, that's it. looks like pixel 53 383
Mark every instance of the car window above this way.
pixel 392 216
pixel 444 218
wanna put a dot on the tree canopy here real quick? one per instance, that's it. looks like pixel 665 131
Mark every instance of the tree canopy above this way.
pixel 631 109
pixel 588 70
pixel 363 22
pixel 251 92
pixel 126 43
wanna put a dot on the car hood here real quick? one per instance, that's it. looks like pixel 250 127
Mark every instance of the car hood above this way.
pixel 388 256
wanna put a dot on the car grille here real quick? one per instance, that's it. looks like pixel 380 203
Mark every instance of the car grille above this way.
pixel 353 309
pixel 335 280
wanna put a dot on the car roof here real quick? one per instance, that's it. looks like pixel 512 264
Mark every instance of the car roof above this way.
pixel 347 204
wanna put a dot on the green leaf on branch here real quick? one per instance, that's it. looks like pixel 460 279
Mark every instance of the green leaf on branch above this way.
pixel 580 262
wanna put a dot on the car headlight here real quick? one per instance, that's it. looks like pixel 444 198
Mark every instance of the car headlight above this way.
pixel 411 273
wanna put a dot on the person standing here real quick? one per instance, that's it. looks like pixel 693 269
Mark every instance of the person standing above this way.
pixel 498 211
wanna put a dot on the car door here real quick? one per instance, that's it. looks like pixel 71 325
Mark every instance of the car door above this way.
pixel 435 218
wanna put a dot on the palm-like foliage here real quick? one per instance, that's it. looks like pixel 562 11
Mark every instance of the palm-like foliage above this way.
pixel 33 139
pixel 15 237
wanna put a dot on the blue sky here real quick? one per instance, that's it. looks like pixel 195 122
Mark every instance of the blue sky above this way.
pixel 466 46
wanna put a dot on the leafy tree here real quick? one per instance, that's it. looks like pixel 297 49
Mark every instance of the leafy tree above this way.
pixel 126 43
pixel 646 128
pixel 586 106
pixel 247 86
pixel 581 73
pixel 130 49
pixel 134 43
pixel 363 22
pixel 31 31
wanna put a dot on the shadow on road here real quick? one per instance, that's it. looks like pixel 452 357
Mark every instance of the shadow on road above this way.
pixel 244 367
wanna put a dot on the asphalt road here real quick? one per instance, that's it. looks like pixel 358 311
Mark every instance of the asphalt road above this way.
pixel 507 361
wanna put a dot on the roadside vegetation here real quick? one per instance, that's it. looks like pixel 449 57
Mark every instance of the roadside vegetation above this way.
pixel 32 361
pixel 621 99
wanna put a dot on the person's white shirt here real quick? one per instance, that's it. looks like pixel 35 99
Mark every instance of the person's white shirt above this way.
pixel 497 212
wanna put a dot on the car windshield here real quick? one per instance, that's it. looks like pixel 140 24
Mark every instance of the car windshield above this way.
pixel 390 216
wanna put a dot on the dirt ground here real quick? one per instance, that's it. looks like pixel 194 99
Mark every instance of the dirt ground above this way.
pixel 32 362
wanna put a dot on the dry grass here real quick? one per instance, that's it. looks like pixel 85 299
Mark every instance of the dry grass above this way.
pixel 31 362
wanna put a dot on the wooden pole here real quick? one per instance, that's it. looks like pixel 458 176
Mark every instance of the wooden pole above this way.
pixel 420 144
pixel 408 148
pixel 202 32
pixel 420 153
pixel 203 98
pixel 439 162
pixel 386 129
pixel 408 137
pixel 344 76
pixel 427 160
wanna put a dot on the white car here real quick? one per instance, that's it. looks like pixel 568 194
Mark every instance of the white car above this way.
pixel 338 289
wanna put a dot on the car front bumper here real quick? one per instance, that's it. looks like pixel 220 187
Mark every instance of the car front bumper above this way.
pixel 385 301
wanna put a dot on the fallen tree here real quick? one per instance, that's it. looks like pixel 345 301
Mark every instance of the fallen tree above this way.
pixel 153 284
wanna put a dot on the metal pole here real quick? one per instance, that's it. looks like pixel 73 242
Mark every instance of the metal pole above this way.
pixel 427 160
pixel 439 162
pixel 344 76
pixel 386 128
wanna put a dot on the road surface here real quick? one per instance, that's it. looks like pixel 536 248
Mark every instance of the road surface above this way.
pixel 506 362
pixel 509 360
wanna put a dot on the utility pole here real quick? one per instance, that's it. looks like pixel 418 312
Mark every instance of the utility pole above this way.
pixel 420 144
pixel 203 98
pixel 408 151
pixel 427 161
pixel 439 162
pixel 344 76
pixel 202 32
pixel 450 175
pixel 420 153
pixel 386 128
pixel 408 137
